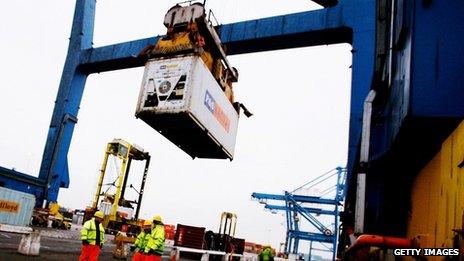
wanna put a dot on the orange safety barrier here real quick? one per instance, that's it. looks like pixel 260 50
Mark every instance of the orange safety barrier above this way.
pixel 380 241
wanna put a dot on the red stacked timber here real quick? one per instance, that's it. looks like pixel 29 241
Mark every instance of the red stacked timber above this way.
pixel 189 236
pixel 169 231
pixel 237 246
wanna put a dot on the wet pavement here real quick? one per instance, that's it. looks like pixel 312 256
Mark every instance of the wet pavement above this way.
pixel 57 245
pixel 51 248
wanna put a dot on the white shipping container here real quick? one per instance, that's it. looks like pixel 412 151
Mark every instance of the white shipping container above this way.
pixel 106 207
pixel 128 211
pixel 15 207
pixel 77 218
pixel 182 100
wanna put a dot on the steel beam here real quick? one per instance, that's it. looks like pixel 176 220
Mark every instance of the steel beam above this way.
pixel 317 211
pixel 54 167
pixel 309 236
pixel 299 198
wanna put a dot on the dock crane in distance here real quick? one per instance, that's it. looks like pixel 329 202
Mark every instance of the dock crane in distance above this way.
pixel 294 206
pixel 109 203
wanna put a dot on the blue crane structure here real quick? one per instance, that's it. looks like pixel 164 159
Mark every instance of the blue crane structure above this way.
pixel 349 21
pixel 295 206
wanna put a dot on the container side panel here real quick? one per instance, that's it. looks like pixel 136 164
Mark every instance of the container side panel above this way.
pixel 212 109
pixel 437 198
pixel 15 207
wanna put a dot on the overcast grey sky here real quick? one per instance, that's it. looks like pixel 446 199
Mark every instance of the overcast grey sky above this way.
pixel 299 97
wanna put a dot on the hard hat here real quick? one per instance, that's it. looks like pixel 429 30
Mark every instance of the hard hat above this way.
pixel 147 223
pixel 267 246
pixel 157 218
pixel 99 214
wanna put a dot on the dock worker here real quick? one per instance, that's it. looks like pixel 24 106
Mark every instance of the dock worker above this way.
pixel 155 245
pixel 141 241
pixel 93 237
pixel 266 254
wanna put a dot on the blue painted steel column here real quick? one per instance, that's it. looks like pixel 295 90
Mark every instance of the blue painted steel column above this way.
pixel 338 197
pixel 289 226
pixel 362 76
pixel 296 240
pixel 289 238
pixel 54 167
pixel 295 229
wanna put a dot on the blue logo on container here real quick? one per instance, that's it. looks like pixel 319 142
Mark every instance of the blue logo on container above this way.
pixel 209 102
pixel 217 111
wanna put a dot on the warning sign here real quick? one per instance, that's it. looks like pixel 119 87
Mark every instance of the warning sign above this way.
pixel 9 206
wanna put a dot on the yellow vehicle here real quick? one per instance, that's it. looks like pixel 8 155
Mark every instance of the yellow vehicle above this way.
pixel 42 216
pixel 58 219
pixel 111 204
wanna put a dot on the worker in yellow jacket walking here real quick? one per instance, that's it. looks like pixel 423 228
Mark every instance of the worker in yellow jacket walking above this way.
pixel 155 244
pixel 142 240
pixel 93 237
pixel 266 254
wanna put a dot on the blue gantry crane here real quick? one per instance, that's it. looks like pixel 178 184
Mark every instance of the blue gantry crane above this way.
pixel 350 21
pixel 295 206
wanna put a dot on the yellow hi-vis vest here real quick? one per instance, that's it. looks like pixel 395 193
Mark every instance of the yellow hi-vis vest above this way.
pixel 156 240
pixel 266 255
pixel 89 232
pixel 141 241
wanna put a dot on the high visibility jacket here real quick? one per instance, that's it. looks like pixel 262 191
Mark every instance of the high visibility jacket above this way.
pixel 266 255
pixel 156 240
pixel 89 232
pixel 141 241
